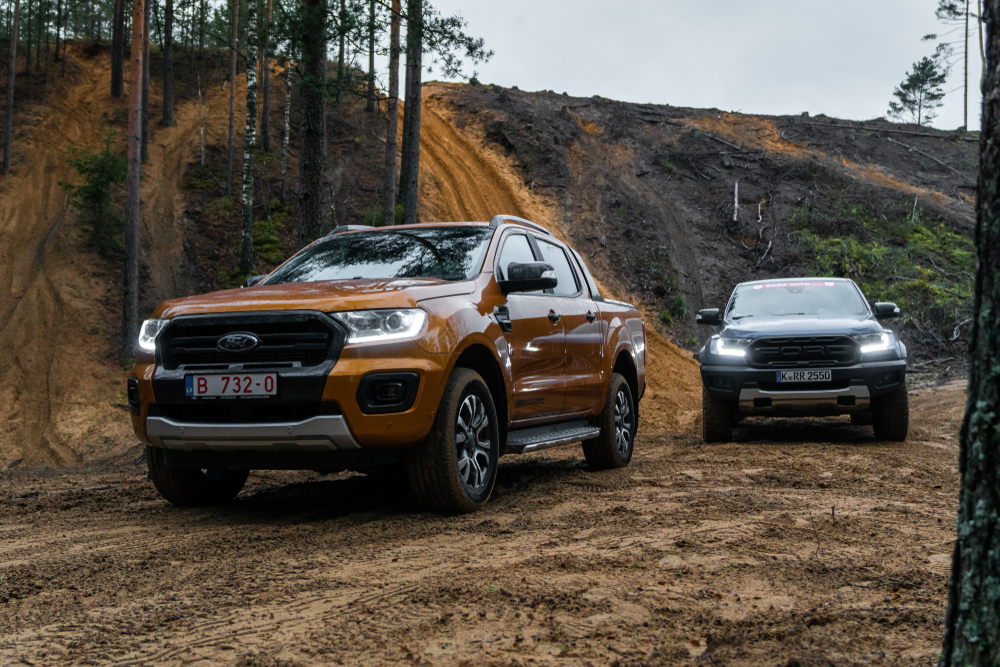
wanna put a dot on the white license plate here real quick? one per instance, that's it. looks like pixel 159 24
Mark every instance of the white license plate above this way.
pixel 805 376
pixel 244 384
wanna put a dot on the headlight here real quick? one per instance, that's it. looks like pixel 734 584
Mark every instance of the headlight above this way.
pixel 730 347
pixel 878 342
pixel 380 326
pixel 148 332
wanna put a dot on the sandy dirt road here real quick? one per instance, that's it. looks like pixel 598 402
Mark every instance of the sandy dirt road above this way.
pixel 806 543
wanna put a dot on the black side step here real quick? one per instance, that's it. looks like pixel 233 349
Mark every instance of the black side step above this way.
pixel 542 437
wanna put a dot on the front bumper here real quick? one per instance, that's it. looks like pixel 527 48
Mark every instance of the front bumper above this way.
pixel 851 389
pixel 319 434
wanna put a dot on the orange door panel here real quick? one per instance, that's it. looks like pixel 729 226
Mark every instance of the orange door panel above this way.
pixel 537 343
pixel 584 371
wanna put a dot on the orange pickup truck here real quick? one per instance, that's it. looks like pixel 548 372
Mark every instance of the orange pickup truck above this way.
pixel 438 347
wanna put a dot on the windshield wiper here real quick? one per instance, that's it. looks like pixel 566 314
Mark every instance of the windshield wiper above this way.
pixel 786 314
pixel 740 317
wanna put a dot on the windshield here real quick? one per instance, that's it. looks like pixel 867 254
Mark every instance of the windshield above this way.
pixel 817 299
pixel 447 253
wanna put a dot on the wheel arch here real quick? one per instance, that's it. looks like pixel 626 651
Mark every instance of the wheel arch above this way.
pixel 479 358
pixel 625 366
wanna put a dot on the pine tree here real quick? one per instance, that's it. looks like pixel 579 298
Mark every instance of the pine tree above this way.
pixel 392 120
pixel 8 127
pixel 145 83
pixel 265 58
pixel 958 15
pixel 234 25
pixel 920 94
pixel 312 105
pixel 249 141
pixel 130 274
pixel 370 104
pixel 168 64
pixel 972 623
pixel 410 165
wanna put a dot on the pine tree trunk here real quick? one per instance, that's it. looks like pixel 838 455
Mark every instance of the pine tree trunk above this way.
pixel 168 64
pixel 284 140
pixel 265 59
pixel 59 22
pixel 118 50
pixel 972 623
pixel 8 126
pixel 312 96
pixel 392 121
pixel 371 57
pixel 201 32
pixel 408 178
pixel 965 79
pixel 235 6
pixel 130 274
pixel 249 140
pixel 145 82
pixel 340 58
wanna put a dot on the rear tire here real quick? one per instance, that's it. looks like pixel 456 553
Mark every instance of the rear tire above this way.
pixel 453 470
pixel 892 416
pixel 193 487
pixel 717 417
pixel 613 448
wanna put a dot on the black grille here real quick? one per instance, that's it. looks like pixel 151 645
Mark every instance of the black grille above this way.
pixel 804 352
pixel 242 412
pixel 287 339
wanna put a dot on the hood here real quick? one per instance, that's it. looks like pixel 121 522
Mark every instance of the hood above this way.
pixel 753 327
pixel 322 296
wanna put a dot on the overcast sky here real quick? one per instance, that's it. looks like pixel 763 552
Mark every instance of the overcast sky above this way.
pixel 841 58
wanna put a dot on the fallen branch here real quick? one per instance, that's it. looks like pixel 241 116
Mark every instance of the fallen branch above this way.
pixel 887 131
pixel 762 257
pixel 926 155
pixel 721 141
pixel 957 332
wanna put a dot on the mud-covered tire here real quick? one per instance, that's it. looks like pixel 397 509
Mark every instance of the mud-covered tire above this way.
pixel 614 447
pixel 891 414
pixel 862 418
pixel 717 417
pixel 192 487
pixel 454 469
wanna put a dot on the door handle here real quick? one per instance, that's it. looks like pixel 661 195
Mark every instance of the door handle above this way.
pixel 554 317
pixel 591 317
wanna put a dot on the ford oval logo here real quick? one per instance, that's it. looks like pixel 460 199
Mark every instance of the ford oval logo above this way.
pixel 238 343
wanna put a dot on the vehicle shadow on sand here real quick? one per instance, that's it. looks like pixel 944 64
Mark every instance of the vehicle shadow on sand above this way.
pixel 803 431
pixel 277 498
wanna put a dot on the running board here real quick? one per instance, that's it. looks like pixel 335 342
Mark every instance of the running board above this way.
pixel 542 437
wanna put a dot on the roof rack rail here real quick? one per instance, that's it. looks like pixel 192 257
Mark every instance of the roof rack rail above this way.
pixel 347 228
pixel 501 219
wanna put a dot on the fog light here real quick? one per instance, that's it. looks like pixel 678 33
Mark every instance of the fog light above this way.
pixel 762 402
pixel 846 400
pixel 389 393
pixel 134 402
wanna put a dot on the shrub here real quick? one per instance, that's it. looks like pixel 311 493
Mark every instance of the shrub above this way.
pixel 103 175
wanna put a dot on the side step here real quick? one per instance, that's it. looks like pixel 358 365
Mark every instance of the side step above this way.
pixel 542 437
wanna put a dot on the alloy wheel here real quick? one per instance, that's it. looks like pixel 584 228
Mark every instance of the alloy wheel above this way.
pixel 623 423
pixel 472 444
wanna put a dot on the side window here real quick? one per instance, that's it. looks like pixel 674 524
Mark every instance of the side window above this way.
pixel 556 256
pixel 515 249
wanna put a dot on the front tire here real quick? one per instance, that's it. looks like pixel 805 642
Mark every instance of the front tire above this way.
pixel 717 417
pixel 454 469
pixel 192 487
pixel 892 416
pixel 613 448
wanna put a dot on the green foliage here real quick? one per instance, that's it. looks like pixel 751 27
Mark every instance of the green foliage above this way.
pixel 267 240
pixel 667 317
pixel 667 164
pixel 691 342
pixel 920 93
pixel 679 308
pixel 220 207
pixel 205 177
pixel 103 174
pixel 923 267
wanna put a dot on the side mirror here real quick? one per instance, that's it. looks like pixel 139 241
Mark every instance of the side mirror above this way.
pixel 253 280
pixel 886 311
pixel 528 277
pixel 709 317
